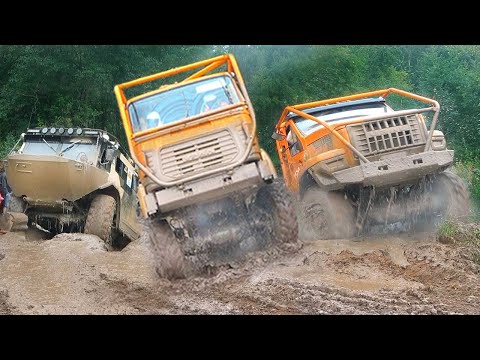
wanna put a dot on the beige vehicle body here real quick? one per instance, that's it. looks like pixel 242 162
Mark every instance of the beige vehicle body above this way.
pixel 56 184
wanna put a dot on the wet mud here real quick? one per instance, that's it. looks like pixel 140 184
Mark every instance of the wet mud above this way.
pixel 380 274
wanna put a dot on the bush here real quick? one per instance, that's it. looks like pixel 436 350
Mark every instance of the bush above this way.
pixel 6 144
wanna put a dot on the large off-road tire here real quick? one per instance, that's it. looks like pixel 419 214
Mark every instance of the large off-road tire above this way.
pixel 275 200
pixel 100 218
pixel 449 196
pixel 326 215
pixel 170 262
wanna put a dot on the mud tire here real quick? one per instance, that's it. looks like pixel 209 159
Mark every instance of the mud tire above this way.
pixel 100 218
pixel 276 199
pixel 326 215
pixel 170 262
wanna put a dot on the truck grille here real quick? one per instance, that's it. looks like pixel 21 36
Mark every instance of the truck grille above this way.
pixel 201 154
pixel 384 135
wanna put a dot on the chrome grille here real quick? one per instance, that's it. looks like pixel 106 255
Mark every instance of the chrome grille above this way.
pixel 384 135
pixel 201 154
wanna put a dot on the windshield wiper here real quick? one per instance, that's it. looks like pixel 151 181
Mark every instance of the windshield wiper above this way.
pixel 69 147
pixel 50 146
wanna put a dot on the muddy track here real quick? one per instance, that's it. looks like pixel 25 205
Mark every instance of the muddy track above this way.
pixel 393 274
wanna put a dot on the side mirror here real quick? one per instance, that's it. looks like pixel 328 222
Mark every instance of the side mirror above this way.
pixel 276 136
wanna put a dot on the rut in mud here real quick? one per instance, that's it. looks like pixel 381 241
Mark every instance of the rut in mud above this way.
pixel 383 274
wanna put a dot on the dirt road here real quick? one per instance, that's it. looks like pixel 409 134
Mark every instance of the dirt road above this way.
pixel 401 274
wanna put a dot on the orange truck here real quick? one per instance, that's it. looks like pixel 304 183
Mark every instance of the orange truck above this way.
pixel 357 163
pixel 208 191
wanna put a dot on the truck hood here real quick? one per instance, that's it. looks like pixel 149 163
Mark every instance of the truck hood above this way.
pixel 50 179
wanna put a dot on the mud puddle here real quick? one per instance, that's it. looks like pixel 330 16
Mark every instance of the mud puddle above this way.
pixel 382 274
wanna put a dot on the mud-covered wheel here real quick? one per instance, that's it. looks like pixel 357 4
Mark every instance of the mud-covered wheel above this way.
pixel 449 196
pixel 100 218
pixel 170 262
pixel 326 215
pixel 275 200
pixel 15 204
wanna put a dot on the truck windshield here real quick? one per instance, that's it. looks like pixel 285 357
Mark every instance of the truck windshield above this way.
pixel 79 149
pixel 331 116
pixel 182 102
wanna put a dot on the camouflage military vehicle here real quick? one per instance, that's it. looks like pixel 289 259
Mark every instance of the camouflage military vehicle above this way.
pixel 74 180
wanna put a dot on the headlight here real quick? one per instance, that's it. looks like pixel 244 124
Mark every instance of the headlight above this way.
pixel 438 141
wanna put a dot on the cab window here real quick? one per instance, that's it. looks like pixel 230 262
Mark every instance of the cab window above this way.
pixel 294 145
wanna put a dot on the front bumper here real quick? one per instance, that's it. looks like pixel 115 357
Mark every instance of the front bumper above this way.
pixel 388 171
pixel 245 177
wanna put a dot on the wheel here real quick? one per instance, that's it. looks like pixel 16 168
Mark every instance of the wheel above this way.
pixel 100 218
pixel 169 260
pixel 449 196
pixel 326 215
pixel 274 204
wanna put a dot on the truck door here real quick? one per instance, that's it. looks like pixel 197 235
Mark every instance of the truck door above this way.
pixel 294 155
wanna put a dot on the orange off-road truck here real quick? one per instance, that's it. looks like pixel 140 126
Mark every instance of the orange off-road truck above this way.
pixel 207 190
pixel 356 163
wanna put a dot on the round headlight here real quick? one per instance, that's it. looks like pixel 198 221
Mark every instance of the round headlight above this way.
pixel 70 131
pixel 61 131
pixel 79 131
pixel 52 130
pixel 44 130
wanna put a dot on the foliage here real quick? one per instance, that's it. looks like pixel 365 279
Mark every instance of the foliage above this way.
pixel 7 144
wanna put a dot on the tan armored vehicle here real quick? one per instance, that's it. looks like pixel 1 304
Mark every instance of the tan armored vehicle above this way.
pixel 74 180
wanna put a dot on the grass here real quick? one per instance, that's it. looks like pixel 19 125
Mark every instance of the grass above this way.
pixel 448 229
pixel 463 234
